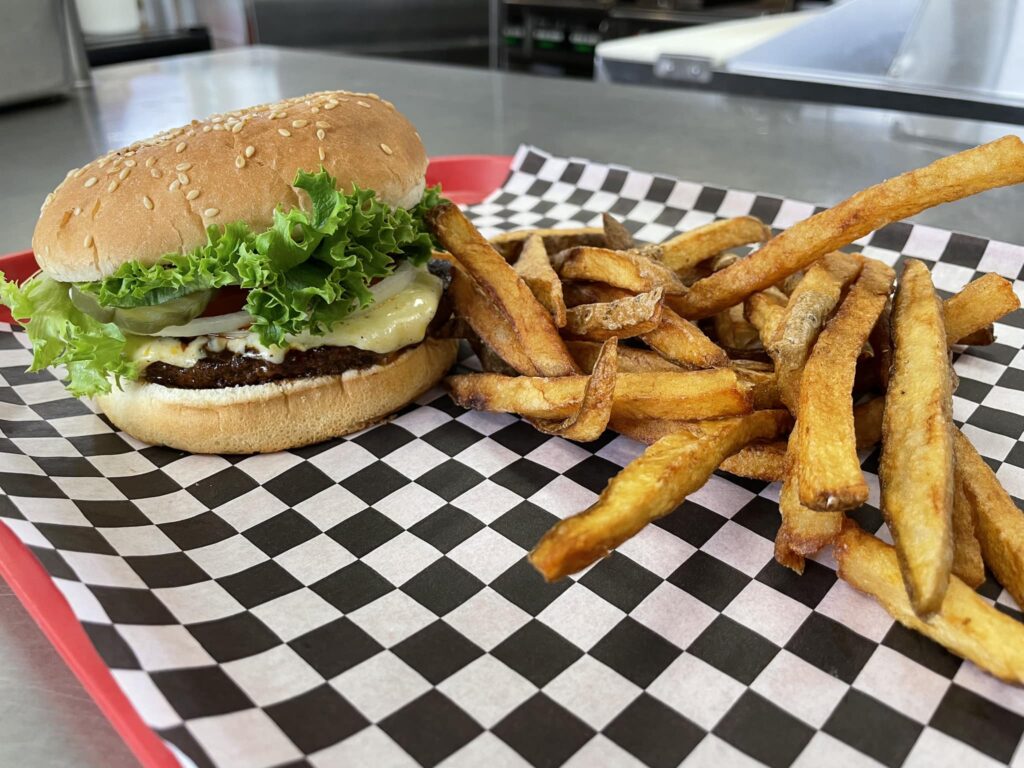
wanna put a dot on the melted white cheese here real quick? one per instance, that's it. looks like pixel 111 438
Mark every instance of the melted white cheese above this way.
pixel 395 323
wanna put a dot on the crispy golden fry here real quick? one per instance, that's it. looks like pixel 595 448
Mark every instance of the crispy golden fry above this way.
pixel 677 340
pixel 809 308
pixel 509 244
pixel 997 164
pixel 765 310
pixel 789 285
pixel 968 565
pixel 977 305
pixel 505 290
pixel 685 251
pixel 650 487
pixel 763 460
pixel 803 531
pixel 616 236
pixel 867 422
pixel 916 469
pixel 683 395
pixel 764 385
pixel 733 331
pixel 492 328
pixel 998 523
pixel 630 359
pixel 980 338
pixel 595 409
pixel 828 467
pixel 964 623
pixel 540 277
pixel 631 270
pixel 880 343
pixel 621 318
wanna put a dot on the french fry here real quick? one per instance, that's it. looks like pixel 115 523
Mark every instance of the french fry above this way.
pixel 685 251
pixel 616 236
pixel 968 565
pixel 809 308
pixel 828 467
pixel 492 328
pixel 490 360
pixel 980 338
pixel 595 409
pixel 765 310
pixel 916 470
pixel 504 289
pixel 803 531
pixel 630 359
pixel 509 244
pixel 622 318
pixel 977 305
pixel 540 277
pixel 867 422
pixel 764 386
pixel 648 488
pixel 630 270
pixel 964 623
pixel 880 342
pixel 998 523
pixel 733 331
pixel 763 460
pixel 678 341
pixel 997 164
pixel 683 395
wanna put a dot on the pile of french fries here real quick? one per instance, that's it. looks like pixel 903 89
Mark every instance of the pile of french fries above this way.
pixel 783 365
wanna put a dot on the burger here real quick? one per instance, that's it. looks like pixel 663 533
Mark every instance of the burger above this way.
pixel 251 282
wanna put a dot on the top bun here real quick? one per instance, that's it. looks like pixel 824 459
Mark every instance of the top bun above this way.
pixel 159 195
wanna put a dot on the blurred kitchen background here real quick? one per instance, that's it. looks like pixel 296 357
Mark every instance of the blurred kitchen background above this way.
pixel 962 58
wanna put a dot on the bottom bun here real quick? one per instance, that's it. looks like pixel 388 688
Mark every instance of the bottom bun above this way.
pixel 273 417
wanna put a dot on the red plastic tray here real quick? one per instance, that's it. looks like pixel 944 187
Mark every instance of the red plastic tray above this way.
pixel 465 179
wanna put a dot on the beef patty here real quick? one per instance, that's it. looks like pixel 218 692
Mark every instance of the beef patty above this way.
pixel 226 369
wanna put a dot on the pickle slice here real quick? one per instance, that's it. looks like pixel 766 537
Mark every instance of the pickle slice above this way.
pixel 88 304
pixel 158 316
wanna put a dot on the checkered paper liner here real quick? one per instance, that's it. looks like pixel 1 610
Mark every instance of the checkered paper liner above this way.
pixel 366 601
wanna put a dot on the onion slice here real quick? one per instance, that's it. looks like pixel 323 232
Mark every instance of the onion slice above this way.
pixel 391 285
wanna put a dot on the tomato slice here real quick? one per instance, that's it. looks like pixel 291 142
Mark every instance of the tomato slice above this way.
pixel 229 299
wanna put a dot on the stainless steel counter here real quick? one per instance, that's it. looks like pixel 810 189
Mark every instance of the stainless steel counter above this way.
pixel 805 151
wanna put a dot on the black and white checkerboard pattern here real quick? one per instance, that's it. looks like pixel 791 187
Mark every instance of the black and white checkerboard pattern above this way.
pixel 366 601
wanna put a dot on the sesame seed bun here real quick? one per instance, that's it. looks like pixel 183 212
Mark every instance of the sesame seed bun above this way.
pixel 157 196
pixel 270 417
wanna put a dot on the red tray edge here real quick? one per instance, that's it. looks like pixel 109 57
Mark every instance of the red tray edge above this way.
pixel 51 612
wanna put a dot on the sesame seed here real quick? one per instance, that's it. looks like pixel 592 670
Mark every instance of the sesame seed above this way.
pixel 156 173
pixel 124 173
pixel 130 163
pixel 207 128
pixel 147 202
pixel 330 105
pixel 300 123
pixel 150 162
pixel 218 127
pixel 363 104
pixel 90 181
pixel 387 149
pixel 320 134
pixel 314 110
pixel 70 173
pixel 112 186
pixel 239 162
pixel 217 119
pixel 88 241
pixel 320 151
pixel 211 212
pixel 344 99
pixel 183 178
pixel 79 172
pixel 76 211
pixel 182 166
pixel 173 186
pixel 250 151
pixel 192 194
pixel 237 127
pixel 181 147
pixel 284 132
pixel 322 124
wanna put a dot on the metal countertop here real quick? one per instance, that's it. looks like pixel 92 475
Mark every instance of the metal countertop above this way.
pixel 813 152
